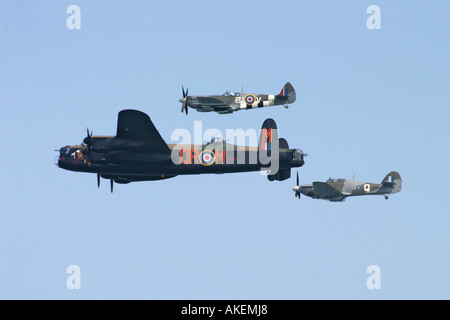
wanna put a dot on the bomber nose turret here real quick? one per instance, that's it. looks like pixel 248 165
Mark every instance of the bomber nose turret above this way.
pixel 64 151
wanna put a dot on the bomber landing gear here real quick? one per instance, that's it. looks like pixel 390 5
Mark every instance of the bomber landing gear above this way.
pixel 286 106
pixel 386 196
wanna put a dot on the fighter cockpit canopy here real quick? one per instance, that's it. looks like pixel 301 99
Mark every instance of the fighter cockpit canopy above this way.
pixel 231 94
pixel 216 140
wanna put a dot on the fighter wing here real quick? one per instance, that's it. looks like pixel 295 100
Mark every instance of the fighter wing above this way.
pixel 212 103
pixel 136 125
pixel 324 190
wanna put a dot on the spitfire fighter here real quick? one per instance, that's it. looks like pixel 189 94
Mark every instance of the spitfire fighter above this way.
pixel 337 190
pixel 230 102
pixel 138 153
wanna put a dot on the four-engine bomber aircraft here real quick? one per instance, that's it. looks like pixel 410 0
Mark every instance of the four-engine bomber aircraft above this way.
pixel 339 189
pixel 232 101
pixel 138 153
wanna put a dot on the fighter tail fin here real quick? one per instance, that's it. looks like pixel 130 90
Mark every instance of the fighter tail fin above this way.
pixel 393 179
pixel 289 92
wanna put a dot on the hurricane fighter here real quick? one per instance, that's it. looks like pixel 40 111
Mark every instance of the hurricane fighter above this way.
pixel 337 190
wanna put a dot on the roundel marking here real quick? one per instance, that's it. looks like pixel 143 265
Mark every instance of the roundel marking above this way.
pixel 207 158
pixel 249 99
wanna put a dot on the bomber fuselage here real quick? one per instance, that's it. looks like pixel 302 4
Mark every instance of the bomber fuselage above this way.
pixel 118 159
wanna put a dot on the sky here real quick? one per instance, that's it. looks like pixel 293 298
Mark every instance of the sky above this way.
pixel 369 101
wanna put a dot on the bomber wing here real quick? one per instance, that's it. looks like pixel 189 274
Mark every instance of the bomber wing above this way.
pixel 136 125
pixel 324 190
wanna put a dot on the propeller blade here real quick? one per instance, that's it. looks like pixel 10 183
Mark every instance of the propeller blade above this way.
pixel 112 185
pixel 98 180
pixel 297 192
pixel 88 140
pixel 184 106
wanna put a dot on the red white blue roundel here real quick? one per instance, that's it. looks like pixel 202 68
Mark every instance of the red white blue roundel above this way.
pixel 207 158
pixel 249 99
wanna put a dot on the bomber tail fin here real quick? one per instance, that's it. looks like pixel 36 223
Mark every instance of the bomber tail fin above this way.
pixel 277 150
pixel 269 132
pixel 394 180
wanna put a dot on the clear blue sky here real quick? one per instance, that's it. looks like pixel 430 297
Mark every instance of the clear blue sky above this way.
pixel 369 101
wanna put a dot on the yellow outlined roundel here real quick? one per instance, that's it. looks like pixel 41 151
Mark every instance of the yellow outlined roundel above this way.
pixel 250 99
pixel 208 159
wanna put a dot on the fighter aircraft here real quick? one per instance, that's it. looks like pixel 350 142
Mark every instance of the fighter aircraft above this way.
pixel 230 102
pixel 138 153
pixel 339 189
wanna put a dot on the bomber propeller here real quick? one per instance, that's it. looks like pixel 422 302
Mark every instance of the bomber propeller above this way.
pixel 88 140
